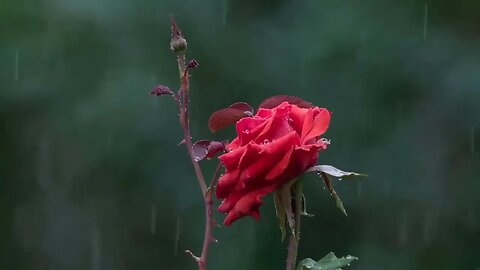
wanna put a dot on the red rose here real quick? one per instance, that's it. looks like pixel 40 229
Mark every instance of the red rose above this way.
pixel 272 147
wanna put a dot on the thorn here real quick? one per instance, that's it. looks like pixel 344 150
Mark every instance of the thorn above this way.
pixel 197 259
pixel 213 240
pixel 181 142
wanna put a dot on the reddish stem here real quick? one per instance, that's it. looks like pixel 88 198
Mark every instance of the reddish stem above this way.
pixel 206 192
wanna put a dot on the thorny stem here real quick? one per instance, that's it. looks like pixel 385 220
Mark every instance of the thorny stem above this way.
pixel 295 235
pixel 206 192
pixel 186 131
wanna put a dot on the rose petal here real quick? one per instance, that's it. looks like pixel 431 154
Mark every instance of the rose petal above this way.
pixel 226 183
pixel 320 125
pixel 248 205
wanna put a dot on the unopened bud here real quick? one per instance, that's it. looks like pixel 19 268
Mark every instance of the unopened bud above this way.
pixel 178 44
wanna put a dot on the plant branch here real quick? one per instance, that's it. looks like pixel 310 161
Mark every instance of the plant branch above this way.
pixel 295 235
pixel 184 121
pixel 179 45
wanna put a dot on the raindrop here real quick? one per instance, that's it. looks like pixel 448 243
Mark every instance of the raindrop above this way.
pixel 95 243
pixel 429 221
pixel 224 12
pixel 339 179
pixel 472 140
pixel 154 101
pixel 44 164
pixel 266 141
pixel 177 235
pixel 246 131
pixel 153 218
pixel 109 139
pixel 17 65
pixel 403 230
pixel 359 189
pixel 425 23
pixel 399 116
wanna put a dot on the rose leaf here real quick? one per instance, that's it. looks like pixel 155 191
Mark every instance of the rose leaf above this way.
pixel 274 101
pixel 330 170
pixel 161 90
pixel 206 149
pixel 242 106
pixel 329 262
pixel 228 116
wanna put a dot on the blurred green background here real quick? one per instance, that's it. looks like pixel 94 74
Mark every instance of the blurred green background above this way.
pixel 91 176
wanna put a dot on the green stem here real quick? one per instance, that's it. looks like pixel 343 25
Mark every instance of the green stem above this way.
pixel 295 235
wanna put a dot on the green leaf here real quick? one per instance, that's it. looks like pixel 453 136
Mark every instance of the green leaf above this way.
pixel 306 264
pixel 286 191
pixel 330 170
pixel 283 206
pixel 329 262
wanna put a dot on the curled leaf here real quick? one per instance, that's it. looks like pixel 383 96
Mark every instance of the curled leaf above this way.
pixel 161 90
pixel 274 101
pixel 325 171
pixel 206 149
pixel 192 64
pixel 304 207
pixel 228 116
pixel 328 184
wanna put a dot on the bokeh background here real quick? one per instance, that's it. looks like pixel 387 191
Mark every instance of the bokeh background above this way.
pixel 91 176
